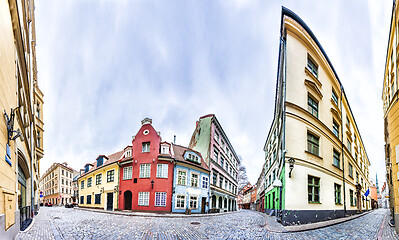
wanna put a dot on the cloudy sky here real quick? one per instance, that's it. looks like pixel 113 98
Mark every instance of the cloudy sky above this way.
pixel 105 65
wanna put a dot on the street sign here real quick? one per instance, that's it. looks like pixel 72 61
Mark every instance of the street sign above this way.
pixel 41 195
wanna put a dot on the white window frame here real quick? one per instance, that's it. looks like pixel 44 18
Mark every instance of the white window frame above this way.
pixel 145 172
pixel 184 201
pixel 145 147
pixel 196 201
pixel 191 179
pixel 185 178
pixel 164 149
pixel 162 170
pixel 144 199
pixel 162 202
pixel 127 172
pixel 205 179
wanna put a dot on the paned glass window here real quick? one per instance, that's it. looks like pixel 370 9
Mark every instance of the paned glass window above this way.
pixel 127 172
pixel 313 144
pixel 98 179
pixel 337 193
pixel 145 170
pixel 181 201
pixel 312 67
pixel 97 199
pixel 181 177
pixel 205 182
pixel 337 160
pixel 89 182
pixel 335 128
pixel 146 147
pixel 110 175
pixel 160 199
pixel 194 180
pixel 313 107
pixel 144 198
pixel 313 189
pixel 162 170
pixel 193 202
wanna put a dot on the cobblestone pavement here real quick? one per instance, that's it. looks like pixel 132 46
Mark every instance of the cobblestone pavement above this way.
pixel 62 223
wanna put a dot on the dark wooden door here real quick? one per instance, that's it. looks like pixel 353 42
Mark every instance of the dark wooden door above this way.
pixel 110 201
pixel 128 200
pixel 203 204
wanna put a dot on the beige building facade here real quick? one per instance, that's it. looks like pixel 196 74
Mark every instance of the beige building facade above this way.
pixel 57 184
pixel 391 120
pixel 20 156
pixel 314 146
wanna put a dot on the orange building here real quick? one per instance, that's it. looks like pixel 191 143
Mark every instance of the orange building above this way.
pixel 253 198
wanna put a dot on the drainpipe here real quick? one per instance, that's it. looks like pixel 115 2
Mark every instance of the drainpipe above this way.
pixel 32 152
pixel 283 117
pixel 342 152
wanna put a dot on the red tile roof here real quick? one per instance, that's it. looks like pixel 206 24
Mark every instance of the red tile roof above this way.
pixel 179 156
pixel 111 159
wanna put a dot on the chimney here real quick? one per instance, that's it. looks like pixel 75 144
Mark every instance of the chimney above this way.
pixel 174 139
pixel 65 164
pixel 196 124
pixel 146 121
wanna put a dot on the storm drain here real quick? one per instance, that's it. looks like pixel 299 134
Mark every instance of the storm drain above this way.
pixel 195 223
pixel 56 218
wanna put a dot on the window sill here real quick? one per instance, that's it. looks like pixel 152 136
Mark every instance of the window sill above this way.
pixel 337 167
pixel 306 151
pixel 314 202
pixel 339 204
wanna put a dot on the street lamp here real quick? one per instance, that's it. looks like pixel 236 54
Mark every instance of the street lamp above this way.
pixel 279 184
pixel 291 162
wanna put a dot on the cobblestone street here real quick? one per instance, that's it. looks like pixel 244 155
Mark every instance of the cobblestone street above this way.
pixel 62 223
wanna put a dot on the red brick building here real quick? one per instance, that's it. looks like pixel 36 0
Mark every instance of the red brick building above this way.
pixel 146 178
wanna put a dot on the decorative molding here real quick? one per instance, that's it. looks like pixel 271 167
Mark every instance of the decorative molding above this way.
pixel 311 85
pixel 314 78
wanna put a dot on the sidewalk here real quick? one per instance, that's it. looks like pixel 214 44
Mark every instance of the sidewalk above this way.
pixel 147 214
pixel 273 226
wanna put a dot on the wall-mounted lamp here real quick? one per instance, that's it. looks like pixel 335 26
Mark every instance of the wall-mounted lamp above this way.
pixel 152 184
pixel 10 125
pixel 291 162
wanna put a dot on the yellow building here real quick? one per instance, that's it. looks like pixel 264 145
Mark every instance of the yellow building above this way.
pixel 314 146
pixel 19 153
pixel 98 185
pixel 391 120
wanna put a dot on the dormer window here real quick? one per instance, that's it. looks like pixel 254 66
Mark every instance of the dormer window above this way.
pixel 87 168
pixel 146 147
pixel 100 161
pixel 128 153
pixel 164 149
pixel 191 156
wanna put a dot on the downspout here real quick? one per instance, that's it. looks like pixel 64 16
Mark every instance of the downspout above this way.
pixel 32 152
pixel 342 152
pixel 283 117
pixel 117 189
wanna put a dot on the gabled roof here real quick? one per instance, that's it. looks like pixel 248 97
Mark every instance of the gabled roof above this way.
pixel 179 152
pixel 111 159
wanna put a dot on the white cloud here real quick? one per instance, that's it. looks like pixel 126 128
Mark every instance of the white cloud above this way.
pixel 105 67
